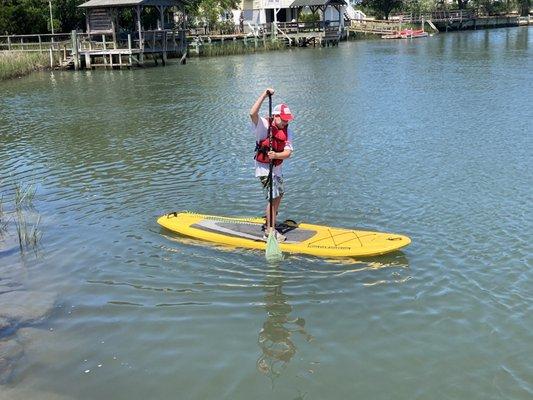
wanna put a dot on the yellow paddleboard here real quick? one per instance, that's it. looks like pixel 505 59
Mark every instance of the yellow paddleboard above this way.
pixel 302 238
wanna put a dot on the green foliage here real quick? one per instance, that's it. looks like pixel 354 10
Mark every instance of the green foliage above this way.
pixel 498 7
pixel 308 17
pixel 383 8
pixel 23 16
pixel 225 27
pixel 33 16
pixel 524 6
pixel 69 16
pixel 462 4
pixel 420 6
pixel 208 11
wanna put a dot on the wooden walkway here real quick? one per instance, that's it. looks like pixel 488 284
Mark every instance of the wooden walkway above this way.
pixel 438 21
pixel 375 27
pixel 81 50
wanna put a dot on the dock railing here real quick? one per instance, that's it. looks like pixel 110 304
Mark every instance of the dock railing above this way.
pixel 380 27
pixel 151 39
pixel 35 43
pixel 436 16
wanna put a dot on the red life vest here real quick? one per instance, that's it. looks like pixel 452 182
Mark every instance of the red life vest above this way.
pixel 279 139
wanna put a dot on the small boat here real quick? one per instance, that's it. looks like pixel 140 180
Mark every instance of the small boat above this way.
pixel 406 34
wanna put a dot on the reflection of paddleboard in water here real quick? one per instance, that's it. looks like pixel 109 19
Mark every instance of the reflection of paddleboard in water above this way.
pixel 302 238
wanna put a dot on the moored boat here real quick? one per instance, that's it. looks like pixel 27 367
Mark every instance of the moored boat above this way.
pixel 406 34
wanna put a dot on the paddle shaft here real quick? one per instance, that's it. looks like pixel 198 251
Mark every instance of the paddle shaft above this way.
pixel 271 164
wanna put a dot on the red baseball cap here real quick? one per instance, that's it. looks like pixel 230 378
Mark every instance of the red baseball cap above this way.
pixel 283 111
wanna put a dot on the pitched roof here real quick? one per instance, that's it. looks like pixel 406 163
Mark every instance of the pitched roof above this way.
pixel 317 3
pixel 128 3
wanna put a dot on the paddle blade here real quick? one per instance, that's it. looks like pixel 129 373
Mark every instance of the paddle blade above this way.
pixel 273 252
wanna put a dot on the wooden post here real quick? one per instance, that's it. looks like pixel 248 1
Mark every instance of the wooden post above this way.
pixel 88 60
pixel 9 43
pixel 40 44
pixel 74 53
pixel 264 40
pixel 164 47
pixel 139 29
pixel 105 48
pixel 130 61
pixel 113 27
pixel 162 15
pixel 51 58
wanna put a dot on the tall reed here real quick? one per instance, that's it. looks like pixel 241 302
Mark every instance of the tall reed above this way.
pixel 3 219
pixel 17 63
pixel 28 233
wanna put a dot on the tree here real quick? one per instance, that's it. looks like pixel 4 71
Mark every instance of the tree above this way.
pixel 209 10
pixel 23 16
pixel 383 8
pixel 524 7
pixel 70 16
pixel 33 16
pixel 461 4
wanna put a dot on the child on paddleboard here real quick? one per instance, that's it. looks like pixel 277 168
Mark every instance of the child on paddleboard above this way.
pixel 281 150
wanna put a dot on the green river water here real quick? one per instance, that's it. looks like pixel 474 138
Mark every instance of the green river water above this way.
pixel 431 138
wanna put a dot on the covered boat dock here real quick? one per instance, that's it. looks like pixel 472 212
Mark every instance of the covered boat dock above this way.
pixel 110 45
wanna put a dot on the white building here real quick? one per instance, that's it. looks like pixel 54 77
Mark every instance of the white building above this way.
pixel 258 12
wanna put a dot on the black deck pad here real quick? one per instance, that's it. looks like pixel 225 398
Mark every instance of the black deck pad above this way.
pixel 252 231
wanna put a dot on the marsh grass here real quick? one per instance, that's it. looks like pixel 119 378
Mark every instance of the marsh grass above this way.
pixel 240 47
pixel 28 234
pixel 24 195
pixel 27 227
pixel 16 63
pixel 3 219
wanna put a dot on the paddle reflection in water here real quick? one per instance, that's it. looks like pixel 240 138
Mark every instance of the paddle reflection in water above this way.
pixel 276 337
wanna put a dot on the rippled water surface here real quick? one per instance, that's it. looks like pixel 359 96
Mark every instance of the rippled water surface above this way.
pixel 430 138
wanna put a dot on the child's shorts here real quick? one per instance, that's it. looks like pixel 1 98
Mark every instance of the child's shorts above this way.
pixel 277 189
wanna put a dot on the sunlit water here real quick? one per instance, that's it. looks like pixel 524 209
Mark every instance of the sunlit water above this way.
pixel 431 138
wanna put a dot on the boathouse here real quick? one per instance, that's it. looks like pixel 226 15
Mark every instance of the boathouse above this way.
pixel 261 12
pixel 110 44
pixel 332 11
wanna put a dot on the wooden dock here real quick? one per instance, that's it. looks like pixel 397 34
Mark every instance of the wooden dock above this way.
pixel 463 20
pixel 80 50
pixel 440 21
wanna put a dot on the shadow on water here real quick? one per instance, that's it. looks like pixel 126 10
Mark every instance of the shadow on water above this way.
pixel 276 339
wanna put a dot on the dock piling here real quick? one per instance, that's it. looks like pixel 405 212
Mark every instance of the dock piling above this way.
pixel 130 60
pixel 75 50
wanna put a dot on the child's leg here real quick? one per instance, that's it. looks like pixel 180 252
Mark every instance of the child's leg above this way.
pixel 275 205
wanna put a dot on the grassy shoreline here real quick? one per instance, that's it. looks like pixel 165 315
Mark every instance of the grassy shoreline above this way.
pixel 14 64
pixel 238 47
